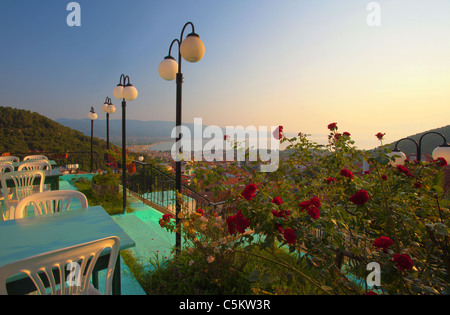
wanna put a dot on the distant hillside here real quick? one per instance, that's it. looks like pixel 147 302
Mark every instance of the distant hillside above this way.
pixel 23 132
pixel 429 142
pixel 149 132
pixel 138 132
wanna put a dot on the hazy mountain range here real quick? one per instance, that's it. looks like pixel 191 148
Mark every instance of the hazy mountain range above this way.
pixel 149 132
pixel 138 132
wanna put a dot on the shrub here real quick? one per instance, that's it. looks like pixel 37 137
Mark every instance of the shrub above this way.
pixel 334 217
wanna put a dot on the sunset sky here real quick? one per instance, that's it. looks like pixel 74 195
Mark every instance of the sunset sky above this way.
pixel 301 64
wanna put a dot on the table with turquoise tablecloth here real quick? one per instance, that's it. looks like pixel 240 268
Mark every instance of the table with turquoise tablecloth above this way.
pixel 36 235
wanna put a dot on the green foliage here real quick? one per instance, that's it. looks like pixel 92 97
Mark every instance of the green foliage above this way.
pixel 116 156
pixel 112 203
pixel 190 274
pixel 330 209
pixel 24 132
pixel 108 179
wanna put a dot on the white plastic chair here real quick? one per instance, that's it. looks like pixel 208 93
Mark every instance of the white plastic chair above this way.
pixel 73 264
pixel 35 157
pixel 23 187
pixel 34 165
pixel 4 166
pixel 49 202
pixel 9 159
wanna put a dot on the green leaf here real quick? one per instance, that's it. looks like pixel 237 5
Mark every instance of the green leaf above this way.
pixel 437 189
pixel 383 160
pixel 442 229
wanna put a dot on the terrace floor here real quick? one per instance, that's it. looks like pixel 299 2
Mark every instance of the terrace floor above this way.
pixel 142 226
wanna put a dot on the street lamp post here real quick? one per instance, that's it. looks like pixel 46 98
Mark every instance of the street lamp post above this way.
pixel 108 108
pixel 192 50
pixel 126 92
pixel 442 151
pixel 93 116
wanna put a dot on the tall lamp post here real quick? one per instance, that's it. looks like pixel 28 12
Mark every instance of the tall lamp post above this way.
pixel 126 92
pixel 109 109
pixel 93 116
pixel 192 50
pixel 442 151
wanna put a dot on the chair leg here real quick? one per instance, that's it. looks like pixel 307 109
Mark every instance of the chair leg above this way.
pixel 95 279
pixel 116 283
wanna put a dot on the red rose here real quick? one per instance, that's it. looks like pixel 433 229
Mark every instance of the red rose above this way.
pixel 380 135
pixel 383 243
pixel 331 180
pixel 249 192
pixel 332 126
pixel 305 204
pixel 403 262
pixel 418 185
pixel 277 214
pixel 347 173
pixel 315 201
pixel 231 223
pixel 314 212
pixel 289 236
pixel 281 214
pixel 347 134
pixel 165 219
pixel 441 161
pixel 237 223
pixel 360 198
pixel 277 201
pixel 200 211
pixel 384 177
pixel 404 170
pixel 312 207
pixel 278 133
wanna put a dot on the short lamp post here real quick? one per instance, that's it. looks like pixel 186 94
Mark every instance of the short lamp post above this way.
pixel 126 92
pixel 442 151
pixel 109 109
pixel 192 50
pixel 93 116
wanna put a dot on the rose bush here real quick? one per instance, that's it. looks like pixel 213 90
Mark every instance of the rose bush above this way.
pixel 208 262
pixel 321 206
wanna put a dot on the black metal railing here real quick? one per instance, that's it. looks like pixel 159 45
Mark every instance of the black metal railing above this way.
pixel 156 187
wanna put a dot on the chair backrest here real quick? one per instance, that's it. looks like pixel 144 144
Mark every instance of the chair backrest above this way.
pixel 23 186
pixel 74 265
pixel 4 166
pixel 35 157
pixel 49 202
pixel 9 159
pixel 34 165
